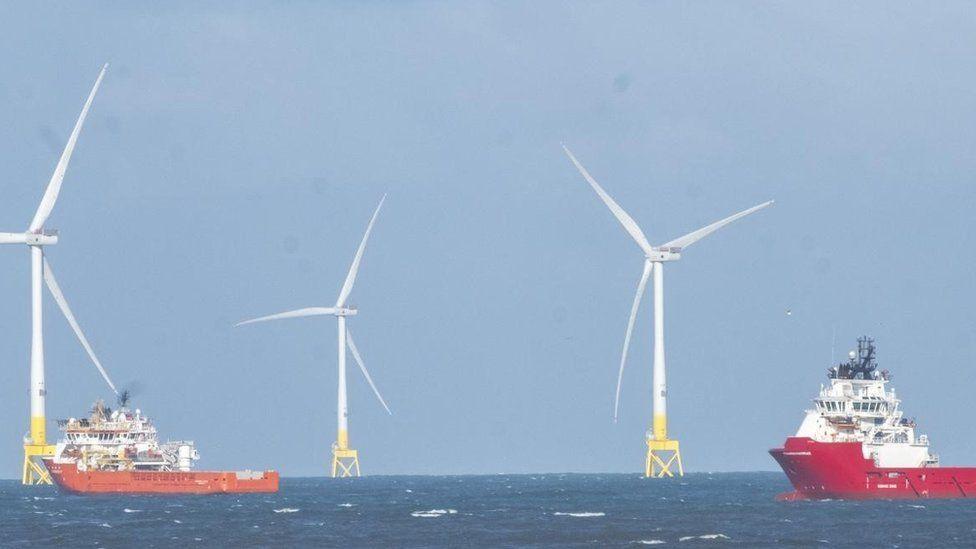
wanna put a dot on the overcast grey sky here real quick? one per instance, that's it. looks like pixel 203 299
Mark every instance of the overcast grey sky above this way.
pixel 234 154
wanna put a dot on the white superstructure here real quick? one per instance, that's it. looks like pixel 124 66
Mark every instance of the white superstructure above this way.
pixel 120 440
pixel 858 406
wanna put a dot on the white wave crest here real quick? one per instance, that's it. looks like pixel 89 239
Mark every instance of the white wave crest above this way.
pixel 581 514
pixel 127 510
pixel 287 510
pixel 433 513
pixel 705 536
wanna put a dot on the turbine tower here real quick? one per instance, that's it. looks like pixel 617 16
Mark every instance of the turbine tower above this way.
pixel 345 460
pixel 662 452
pixel 36 237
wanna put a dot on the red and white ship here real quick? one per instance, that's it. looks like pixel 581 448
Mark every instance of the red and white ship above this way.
pixel 119 452
pixel 855 444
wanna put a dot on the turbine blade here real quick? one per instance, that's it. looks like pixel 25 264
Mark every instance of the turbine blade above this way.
pixel 362 366
pixel 310 311
pixel 695 236
pixel 623 217
pixel 13 238
pixel 54 185
pixel 351 277
pixel 630 328
pixel 52 285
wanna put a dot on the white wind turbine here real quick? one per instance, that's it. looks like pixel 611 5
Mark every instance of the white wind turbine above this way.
pixel 345 460
pixel 662 452
pixel 36 237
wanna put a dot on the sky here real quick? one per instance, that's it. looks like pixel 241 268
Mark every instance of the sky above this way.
pixel 235 152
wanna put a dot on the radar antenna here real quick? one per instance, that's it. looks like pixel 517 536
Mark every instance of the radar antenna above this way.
pixel 861 364
pixel 123 399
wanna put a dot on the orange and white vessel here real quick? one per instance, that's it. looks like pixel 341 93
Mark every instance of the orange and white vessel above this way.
pixel 119 452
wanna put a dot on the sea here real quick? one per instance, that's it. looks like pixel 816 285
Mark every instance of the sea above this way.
pixel 540 510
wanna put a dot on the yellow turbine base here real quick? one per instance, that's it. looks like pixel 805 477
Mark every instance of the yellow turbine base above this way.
pixel 38 430
pixel 345 462
pixel 34 470
pixel 661 456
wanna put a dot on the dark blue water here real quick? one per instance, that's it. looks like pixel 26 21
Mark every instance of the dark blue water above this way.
pixel 701 510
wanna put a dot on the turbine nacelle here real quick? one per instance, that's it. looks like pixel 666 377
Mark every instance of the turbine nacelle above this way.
pixel 43 238
pixel 664 254
pixel 346 311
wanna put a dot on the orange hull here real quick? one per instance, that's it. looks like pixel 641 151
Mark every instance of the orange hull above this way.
pixel 69 478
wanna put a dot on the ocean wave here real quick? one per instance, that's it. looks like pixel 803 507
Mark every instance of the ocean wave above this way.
pixel 581 514
pixel 287 510
pixel 705 536
pixel 433 513
pixel 347 505
pixel 650 542
pixel 127 510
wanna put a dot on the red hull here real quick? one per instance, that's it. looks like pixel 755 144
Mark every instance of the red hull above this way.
pixel 69 478
pixel 839 470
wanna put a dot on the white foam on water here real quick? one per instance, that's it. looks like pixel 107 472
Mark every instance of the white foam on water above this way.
pixel 177 521
pixel 105 525
pixel 127 510
pixel 917 506
pixel 433 513
pixel 705 536
pixel 582 514
pixel 409 491
pixel 287 510
pixel 650 542
pixel 347 505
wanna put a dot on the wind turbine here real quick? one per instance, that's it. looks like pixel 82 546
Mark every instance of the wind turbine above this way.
pixel 662 452
pixel 36 237
pixel 345 460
